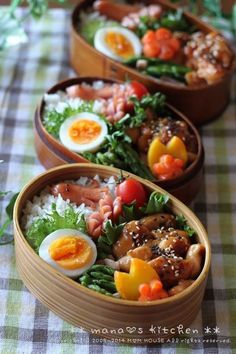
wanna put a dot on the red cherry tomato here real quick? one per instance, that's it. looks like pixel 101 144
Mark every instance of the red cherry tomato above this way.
pixel 131 190
pixel 138 89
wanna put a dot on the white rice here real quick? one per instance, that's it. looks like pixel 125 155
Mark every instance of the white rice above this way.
pixel 60 100
pixel 98 85
pixel 41 205
pixel 97 106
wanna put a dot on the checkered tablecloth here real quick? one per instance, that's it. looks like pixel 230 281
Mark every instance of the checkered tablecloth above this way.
pixel 26 326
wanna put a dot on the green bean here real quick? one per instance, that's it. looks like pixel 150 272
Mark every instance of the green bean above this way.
pixel 99 289
pixel 176 71
pixel 136 165
pixel 150 61
pixel 100 275
pixel 103 268
pixel 109 286
pixel 85 280
pixel 110 159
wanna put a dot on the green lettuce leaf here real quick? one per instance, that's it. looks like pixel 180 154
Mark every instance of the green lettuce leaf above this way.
pixel 110 235
pixel 183 225
pixel 53 221
pixel 157 203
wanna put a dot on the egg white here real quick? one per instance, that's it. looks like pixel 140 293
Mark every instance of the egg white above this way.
pixel 101 46
pixel 45 255
pixel 80 148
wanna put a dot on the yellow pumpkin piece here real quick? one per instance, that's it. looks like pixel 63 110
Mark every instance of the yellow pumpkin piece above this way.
pixel 155 151
pixel 177 149
pixel 127 284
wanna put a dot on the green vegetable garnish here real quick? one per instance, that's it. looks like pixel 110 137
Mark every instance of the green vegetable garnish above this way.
pixel 53 120
pixel 182 224
pixel 9 212
pixel 110 235
pixel 147 23
pixel 130 212
pixel 156 102
pixel 53 221
pixel 118 152
pixel 157 203
pixel 175 21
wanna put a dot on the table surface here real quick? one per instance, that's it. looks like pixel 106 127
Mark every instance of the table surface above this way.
pixel 26 326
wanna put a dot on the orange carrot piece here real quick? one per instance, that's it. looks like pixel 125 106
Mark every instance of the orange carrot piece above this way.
pixel 151 50
pixel 174 43
pixel 168 167
pixel 149 37
pixel 163 33
pixel 167 52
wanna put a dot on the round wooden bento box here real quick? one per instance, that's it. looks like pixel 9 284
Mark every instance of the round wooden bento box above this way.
pixel 200 104
pixel 105 316
pixel 52 153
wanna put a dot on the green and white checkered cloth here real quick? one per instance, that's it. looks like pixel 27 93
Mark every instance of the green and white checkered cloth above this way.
pixel 26 326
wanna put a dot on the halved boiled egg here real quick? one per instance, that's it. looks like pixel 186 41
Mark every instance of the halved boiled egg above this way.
pixel 83 132
pixel 69 251
pixel 117 43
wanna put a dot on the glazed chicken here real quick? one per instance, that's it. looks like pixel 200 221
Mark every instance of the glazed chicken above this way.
pixel 209 56
pixel 138 232
pixel 168 250
pixel 165 129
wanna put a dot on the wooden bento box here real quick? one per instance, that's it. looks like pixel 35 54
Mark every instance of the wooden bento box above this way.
pixel 103 315
pixel 52 153
pixel 199 103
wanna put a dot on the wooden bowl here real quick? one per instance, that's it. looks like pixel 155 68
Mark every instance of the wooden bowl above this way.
pixel 99 314
pixel 199 104
pixel 52 153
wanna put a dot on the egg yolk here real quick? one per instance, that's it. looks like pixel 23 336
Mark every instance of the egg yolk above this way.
pixel 119 44
pixel 84 131
pixel 71 252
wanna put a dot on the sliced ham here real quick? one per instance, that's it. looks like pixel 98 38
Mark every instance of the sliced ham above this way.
pixel 88 93
pixel 79 194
